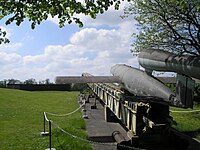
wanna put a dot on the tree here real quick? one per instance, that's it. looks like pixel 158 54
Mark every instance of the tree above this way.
pixel 46 81
pixel 172 25
pixel 3 38
pixel 37 11
pixel 2 84
pixel 78 86
pixel 12 81
pixel 30 81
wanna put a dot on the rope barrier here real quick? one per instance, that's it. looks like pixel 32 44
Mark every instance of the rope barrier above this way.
pixel 62 115
pixel 93 142
pixel 74 136
pixel 184 111
pixel 51 122
pixel 45 117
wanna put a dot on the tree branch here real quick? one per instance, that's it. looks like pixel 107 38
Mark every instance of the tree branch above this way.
pixel 193 42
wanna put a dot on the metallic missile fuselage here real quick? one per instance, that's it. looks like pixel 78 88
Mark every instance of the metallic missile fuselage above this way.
pixel 153 59
pixel 147 107
pixel 139 83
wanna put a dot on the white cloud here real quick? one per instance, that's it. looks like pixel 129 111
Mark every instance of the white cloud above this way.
pixel 8 58
pixel 93 49
pixel 111 17
pixel 53 19
pixel 96 40
pixel 11 47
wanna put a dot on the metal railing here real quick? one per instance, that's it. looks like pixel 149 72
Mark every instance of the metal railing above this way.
pixel 50 122
pixel 45 133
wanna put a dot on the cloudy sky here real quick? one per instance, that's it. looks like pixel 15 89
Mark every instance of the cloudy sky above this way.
pixel 49 51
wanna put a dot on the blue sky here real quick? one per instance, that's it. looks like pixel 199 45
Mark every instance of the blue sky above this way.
pixel 47 33
pixel 49 51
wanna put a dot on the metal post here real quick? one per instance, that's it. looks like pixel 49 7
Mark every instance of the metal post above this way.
pixel 44 123
pixel 85 116
pixel 95 104
pixel 50 137
pixel 44 133
pixel 50 134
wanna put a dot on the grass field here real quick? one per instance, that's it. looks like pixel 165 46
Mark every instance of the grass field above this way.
pixel 188 122
pixel 21 120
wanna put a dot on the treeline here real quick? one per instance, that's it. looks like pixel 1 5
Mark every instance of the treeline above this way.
pixel 28 81
pixel 44 85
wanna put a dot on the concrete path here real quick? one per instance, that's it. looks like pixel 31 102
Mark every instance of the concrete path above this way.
pixel 99 130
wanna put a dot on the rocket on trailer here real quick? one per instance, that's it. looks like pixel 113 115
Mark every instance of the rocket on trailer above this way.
pixel 142 83
pixel 141 101
pixel 139 83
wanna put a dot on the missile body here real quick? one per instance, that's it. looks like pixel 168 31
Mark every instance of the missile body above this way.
pixel 139 83
pixel 153 59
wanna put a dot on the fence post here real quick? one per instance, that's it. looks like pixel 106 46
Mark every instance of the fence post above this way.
pixel 50 148
pixel 50 134
pixel 85 116
pixel 44 133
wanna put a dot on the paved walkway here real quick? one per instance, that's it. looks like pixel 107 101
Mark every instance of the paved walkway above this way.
pixel 99 130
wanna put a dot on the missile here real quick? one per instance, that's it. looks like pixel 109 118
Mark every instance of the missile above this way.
pixel 159 60
pixel 139 83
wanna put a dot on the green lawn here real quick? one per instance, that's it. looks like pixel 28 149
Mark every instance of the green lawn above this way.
pixel 188 123
pixel 21 120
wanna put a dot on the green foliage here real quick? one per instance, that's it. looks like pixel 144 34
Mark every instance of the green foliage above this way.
pixel 172 86
pixel 37 11
pixel 3 38
pixel 197 94
pixel 79 87
pixel 197 90
pixel 66 10
pixel 167 24
pixel 30 81
pixel 21 120
pixel 2 84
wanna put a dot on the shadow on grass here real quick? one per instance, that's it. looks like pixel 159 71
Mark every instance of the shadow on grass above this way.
pixel 193 134
pixel 197 100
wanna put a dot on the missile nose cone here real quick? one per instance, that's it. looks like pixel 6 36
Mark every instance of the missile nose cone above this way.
pixel 139 83
pixel 112 69
pixel 115 69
